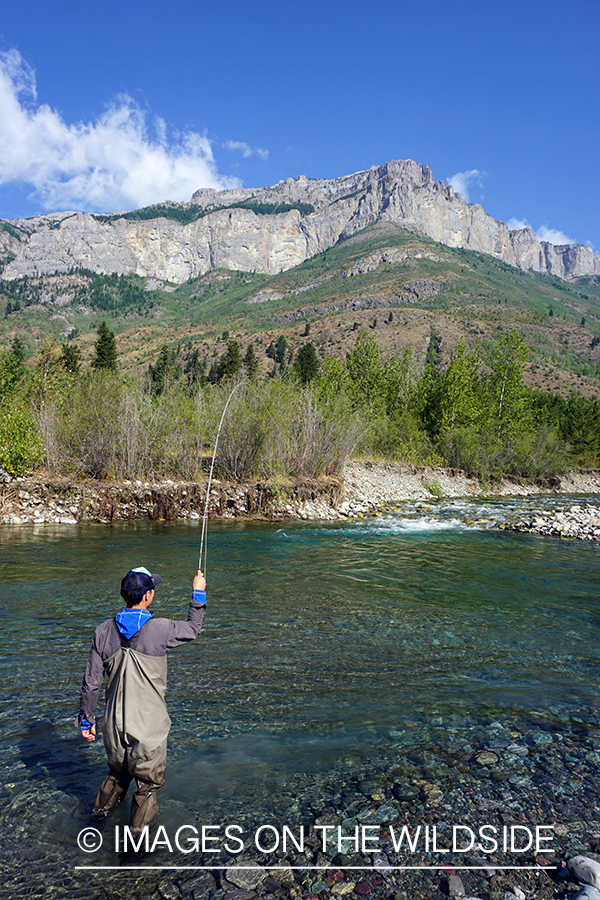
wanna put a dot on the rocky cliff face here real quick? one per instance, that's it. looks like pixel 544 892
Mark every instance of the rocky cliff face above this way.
pixel 402 192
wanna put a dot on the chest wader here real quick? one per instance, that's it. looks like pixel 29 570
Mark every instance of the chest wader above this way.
pixel 135 726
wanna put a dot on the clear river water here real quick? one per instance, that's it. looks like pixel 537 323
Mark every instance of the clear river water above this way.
pixel 324 646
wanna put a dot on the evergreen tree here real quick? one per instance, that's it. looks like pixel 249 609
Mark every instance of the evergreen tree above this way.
pixel 160 373
pixel 251 363
pixel 106 349
pixel 280 350
pixel 434 347
pixel 276 351
pixel 71 358
pixel 580 425
pixel 230 362
pixel 306 365
pixel 194 369
pixel 17 349
pixel 12 369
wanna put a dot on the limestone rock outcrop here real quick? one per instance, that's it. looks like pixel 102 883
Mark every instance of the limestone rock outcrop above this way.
pixel 401 192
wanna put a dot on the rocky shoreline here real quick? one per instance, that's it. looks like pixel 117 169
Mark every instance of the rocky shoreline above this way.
pixel 576 522
pixel 364 487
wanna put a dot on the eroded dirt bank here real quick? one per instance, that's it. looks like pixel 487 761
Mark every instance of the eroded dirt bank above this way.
pixel 363 486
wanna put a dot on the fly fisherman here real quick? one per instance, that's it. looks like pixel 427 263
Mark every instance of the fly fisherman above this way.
pixel 131 650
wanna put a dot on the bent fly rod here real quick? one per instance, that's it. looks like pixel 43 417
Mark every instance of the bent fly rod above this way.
pixel 212 465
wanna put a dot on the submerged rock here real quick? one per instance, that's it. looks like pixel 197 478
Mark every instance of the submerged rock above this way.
pixel 455 886
pixel 586 893
pixel 246 874
pixel 585 870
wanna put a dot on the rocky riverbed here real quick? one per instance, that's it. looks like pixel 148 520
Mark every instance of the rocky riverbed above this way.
pixel 362 488
pixel 453 783
pixel 461 784
pixel 582 522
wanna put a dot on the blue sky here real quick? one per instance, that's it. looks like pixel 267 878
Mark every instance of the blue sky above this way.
pixel 117 105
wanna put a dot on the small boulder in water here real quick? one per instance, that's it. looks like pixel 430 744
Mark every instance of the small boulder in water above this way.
pixel 586 893
pixel 585 870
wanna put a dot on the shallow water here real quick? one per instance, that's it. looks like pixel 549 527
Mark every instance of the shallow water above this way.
pixel 322 643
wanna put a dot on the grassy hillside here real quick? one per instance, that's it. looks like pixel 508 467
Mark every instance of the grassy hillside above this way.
pixel 403 287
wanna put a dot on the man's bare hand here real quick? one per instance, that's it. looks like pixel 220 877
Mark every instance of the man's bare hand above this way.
pixel 89 734
pixel 199 582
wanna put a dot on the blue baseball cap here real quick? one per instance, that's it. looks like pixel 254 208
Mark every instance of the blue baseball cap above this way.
pixel 138 582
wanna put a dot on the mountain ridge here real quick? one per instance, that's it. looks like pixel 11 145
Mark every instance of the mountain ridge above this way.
pixel 401 287
pixel 401 192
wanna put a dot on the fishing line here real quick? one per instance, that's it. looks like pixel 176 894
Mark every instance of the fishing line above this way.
pixel 203 541
pixel 212 465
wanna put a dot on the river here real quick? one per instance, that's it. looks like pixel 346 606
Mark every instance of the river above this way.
pixel 325 647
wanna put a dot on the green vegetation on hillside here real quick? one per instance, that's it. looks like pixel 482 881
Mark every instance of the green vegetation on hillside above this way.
pixel 304 420
pixel 462 293
pixel 407 340
pixel 10 229
pixel 192 212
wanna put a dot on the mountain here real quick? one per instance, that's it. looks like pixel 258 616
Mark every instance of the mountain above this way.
pixel 271 230
pixel 314 261
pixel 407 290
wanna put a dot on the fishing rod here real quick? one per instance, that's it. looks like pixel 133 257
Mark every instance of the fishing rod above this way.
pixel 212 465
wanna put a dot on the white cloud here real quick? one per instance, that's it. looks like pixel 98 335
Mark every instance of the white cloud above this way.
pixel 246 150
pixel 462 181
pixel 116 162
pixel 517 224
pixel 553 236
pixel 550 235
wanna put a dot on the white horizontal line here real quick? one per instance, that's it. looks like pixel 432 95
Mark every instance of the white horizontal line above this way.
pixel 373 869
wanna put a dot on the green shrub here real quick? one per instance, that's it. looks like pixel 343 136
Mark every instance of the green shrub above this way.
pixel 21 447
pixel 87 425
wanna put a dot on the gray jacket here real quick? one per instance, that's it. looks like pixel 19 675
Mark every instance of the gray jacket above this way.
pixel 136 712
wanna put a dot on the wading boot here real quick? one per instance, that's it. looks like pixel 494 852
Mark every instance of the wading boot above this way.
pixel 144 807
pixel 111 792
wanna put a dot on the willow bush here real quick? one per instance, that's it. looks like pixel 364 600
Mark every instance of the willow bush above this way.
pixel 328 435
pixel 21 446
pixel 474 416
pixel 305 435
pixel 242 433
pixel 87 424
